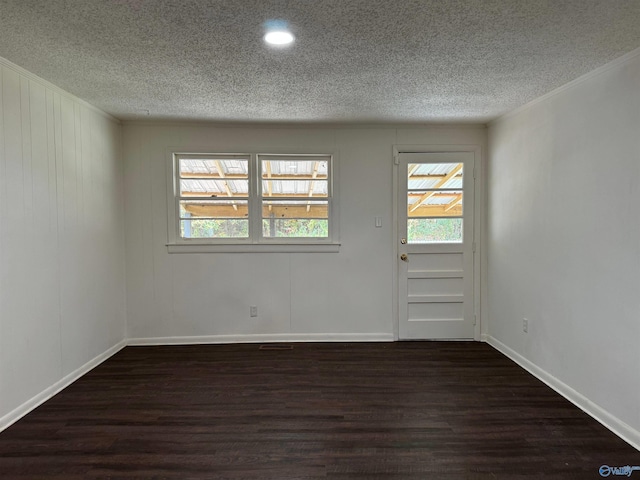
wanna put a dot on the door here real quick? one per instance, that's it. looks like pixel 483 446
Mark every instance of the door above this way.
pixel 435 245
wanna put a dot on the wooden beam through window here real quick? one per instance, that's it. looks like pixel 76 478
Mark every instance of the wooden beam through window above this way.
pixel 453 203
pixel 413 168
pixel 435 211
pixel 300 211
pixel 314 175
pixel 221 195
pixel 431 177
pixel 423 198
pixel 437 194
pixel 278 211
pixel 269 182
pixel 242 176
pixel 283 176
pixel 225 183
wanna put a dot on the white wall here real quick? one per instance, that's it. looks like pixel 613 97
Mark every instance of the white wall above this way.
pixel 564 239
pixel 345 295
pixel 62 290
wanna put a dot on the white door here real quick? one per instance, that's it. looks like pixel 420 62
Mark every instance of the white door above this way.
pixel 435 245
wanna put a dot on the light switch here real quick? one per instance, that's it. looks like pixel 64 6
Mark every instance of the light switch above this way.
pixel 378 222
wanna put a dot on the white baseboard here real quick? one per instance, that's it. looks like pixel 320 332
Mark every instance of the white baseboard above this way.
pixel 34 402
pixel 617 426
pixel 265 338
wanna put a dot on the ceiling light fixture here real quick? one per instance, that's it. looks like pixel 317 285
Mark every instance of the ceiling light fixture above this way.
pixel 279 37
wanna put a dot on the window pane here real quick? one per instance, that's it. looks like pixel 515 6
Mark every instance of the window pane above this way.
pixel 435 175
pixel 295 209
pixel 213 168
pixel 213 208
pixel 214 219
pixel 213 188
pixel 295 219
pixel 434 203
pixel 213 228
pixel 434 230
pixel 295 228
pixel 295 169
pixel 292 188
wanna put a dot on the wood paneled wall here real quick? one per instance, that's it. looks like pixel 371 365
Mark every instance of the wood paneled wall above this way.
pixel 62 282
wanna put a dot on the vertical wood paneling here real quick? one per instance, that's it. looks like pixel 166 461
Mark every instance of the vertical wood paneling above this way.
pixel 27 181
pixel 39 160
pixel 69 297
pixel 43 247
pixel 57 141
pixel 24 229
pixel 13 342
pixel 77 132
pixel 3 202
pixel 88 193
pixel 61 239
pixel 69 183
pixel 74 286
pixel 135 251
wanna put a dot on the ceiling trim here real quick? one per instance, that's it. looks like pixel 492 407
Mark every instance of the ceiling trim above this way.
pixel 45 83
pixel 627 57
pixel 304 125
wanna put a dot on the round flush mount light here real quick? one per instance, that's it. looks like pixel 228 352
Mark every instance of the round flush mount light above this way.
pixel 279 38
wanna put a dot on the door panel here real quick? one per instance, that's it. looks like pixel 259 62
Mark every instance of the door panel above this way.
pixel 435 286
pixel 434 262
pixel 435 265
pixel 435 312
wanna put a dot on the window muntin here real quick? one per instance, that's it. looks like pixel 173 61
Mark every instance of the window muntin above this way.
pixel 435 202
pixel 253 198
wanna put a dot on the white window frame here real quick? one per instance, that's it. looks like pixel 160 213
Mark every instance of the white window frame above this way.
pixel 255 242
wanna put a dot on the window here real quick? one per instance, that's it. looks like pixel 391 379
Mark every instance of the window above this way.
pixel 213 196
pixel 252 199
pixel 294 196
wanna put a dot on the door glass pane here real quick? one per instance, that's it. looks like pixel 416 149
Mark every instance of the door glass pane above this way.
pixel 434 230
pixel 434 203
pixel 435 175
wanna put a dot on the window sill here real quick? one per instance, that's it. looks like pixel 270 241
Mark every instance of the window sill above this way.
pixel 253 248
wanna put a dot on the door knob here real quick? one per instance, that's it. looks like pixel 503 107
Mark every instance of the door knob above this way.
pixel 404 257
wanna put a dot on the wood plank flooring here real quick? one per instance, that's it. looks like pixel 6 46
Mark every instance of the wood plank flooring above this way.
pixel 418 410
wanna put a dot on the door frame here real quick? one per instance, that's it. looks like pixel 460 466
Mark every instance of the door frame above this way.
pixel 478 229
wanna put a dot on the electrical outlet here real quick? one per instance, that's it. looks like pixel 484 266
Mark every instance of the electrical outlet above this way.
pixel 525 325
pixel 253 311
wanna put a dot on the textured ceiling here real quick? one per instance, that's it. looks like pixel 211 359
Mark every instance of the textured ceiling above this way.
pixel 353 61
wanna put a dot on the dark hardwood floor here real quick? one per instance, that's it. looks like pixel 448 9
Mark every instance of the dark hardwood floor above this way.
pixel 416 410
